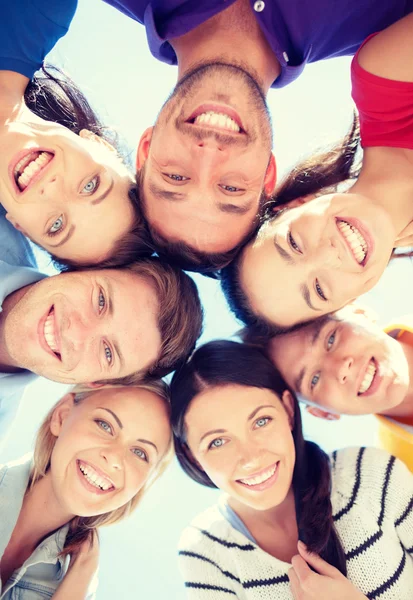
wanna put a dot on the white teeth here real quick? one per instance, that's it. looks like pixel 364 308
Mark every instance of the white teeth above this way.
pixel 368 377
pixel 94 478
pixel 217 120
pixel 260 478
pixel 49 333
pixel 354 239
pixel 24 171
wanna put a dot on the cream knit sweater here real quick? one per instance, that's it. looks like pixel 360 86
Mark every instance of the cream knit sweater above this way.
pixel 372 499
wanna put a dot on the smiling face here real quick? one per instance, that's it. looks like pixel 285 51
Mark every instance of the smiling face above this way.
pixel 67 192
pixel 315 258
pixel 347 366
pixel 85 326
pixel 107 447
pixel 241 437
pixel 207 161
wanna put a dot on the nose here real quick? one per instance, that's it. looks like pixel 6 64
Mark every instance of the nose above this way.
pixel 329 253
pixel 344 368
pixel 113 457
pixel 51 187
pixel 78 330
pixel 249 458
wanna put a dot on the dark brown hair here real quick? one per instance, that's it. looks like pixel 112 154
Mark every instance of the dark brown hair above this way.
pixel 54 97
pixel 224 362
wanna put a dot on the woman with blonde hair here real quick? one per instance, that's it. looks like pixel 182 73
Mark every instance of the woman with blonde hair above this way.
pixel 96 454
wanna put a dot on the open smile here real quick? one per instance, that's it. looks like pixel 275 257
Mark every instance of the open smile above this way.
pixel 370 379
pixel 218 118
pixel 49 334
pixel 356 239
pixel 261 480
pixel 93 479
pixel 28 167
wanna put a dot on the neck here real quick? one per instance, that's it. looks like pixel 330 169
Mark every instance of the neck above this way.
pixel 386 179
pixel 41 514
pixel 405 408
pixel 233 37
pixel 7 363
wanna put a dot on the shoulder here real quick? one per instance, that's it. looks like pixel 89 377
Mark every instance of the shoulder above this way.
pixel 211 531
pixel 61 12
pixel 352 464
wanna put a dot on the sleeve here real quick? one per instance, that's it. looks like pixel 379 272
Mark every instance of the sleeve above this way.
pixel 204 577
pixel 385 108
pixel 29 29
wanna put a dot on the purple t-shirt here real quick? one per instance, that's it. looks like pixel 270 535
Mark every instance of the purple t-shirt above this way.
pixel 299 31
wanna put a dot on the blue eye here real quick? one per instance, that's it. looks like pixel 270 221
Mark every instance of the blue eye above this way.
pixel 231 188
pixel 314 380
pixel 319 291
pixel 104 425
pixel 217 443
pixel 91 186
pixel 176 177
pixel 56 227
pixel 102 301
pixel 293 243
pixel 140 454
pixel 108 354
pixel 331 340
pixel 262 421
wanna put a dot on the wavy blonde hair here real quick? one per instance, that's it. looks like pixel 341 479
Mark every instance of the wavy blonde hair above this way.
pixel 83 528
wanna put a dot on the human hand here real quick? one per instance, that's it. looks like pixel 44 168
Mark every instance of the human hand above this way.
pixel 327 584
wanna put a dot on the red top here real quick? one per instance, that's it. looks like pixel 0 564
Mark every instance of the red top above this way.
pixel 385 108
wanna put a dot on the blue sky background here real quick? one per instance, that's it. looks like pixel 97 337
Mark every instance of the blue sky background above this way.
pixel 107 55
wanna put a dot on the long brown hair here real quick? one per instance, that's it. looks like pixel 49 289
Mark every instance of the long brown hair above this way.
pixel 84 528
pixel 224 362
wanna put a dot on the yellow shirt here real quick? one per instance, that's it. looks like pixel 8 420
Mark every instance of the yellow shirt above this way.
pixel 396 436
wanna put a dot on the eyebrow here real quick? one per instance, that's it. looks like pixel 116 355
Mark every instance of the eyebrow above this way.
pixel 236 208
pixel 66 237
pixel 148 442
pixel 316 334
pixel 111 313
pixel 251 416
pixel 100 198
pixel 165 194
pixel 283 253
pixel 115 416
pixel 306 295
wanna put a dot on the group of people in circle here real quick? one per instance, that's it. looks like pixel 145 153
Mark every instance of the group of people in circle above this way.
pixel 292 258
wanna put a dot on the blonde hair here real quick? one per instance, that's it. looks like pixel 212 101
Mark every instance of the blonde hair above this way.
pixel 83 528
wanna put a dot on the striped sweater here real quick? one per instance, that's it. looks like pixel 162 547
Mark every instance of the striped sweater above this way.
pixel 372 499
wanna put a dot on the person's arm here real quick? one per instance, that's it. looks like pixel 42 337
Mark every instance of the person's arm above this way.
pixel 81 577
pixel 389 54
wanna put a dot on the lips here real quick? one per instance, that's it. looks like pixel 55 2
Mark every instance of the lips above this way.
pixel 354 239
pixel 28 167
pixel 94 479
pixel 261 480
pixel 49 334
pixel 370 379
pixel 217 117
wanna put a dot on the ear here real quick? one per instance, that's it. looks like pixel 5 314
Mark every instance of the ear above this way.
pixel 15 224
pixel 60 413
pixel 143 148
pixel 270 178
pixel 94 385
pixel 405 237
pixel 289 401
pixel 89 135
pixel 322 414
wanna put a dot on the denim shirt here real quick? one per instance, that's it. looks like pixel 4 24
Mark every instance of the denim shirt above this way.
pixel 43 571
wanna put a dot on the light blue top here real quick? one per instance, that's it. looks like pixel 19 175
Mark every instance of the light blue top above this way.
pixel 43 571
pixel 17 269
pixel 233 519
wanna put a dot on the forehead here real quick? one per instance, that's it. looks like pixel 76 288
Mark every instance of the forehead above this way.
pixel 226 404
